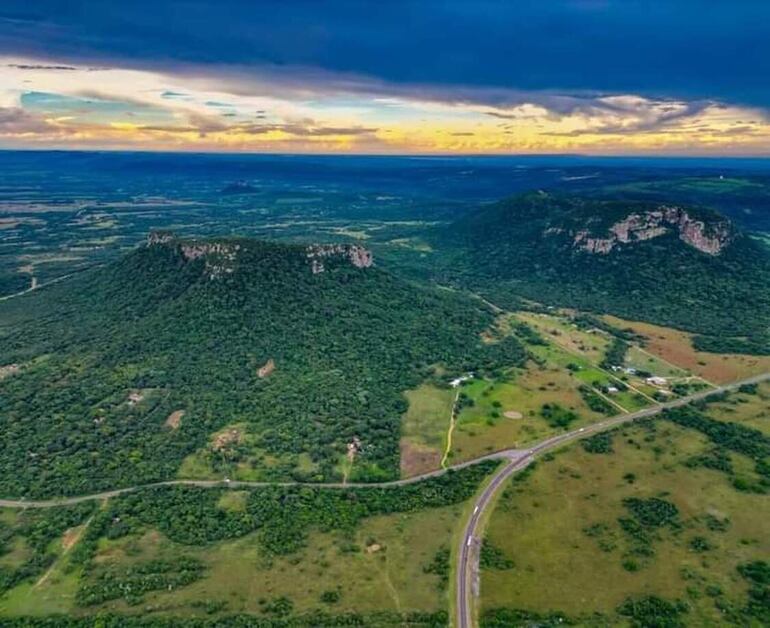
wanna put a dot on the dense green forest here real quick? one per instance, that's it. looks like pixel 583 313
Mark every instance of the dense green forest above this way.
pixel 382 619
pixel 524 247
pixel 106 357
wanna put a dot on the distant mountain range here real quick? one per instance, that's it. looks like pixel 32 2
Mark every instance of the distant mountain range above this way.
pixel 682 266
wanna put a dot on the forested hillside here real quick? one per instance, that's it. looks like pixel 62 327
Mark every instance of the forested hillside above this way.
pixel 684 267
pixel 301 353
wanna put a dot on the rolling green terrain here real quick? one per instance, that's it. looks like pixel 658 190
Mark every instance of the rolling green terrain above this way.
pixel 367 556
pixel 640 260
pixel 660 521
pixel 240 358
pixel 293 365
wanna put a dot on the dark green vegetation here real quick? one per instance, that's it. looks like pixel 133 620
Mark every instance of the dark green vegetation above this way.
pixel 537 246
pixel 382 619
pixel 491 557
pixel 283 515
pixel 131 583
pixel 36 530
pixel 598 444
pixel 595 401
pixel 616 354
pixel 440 566
pixel 108 356
pixel 557 416
pixel 728 437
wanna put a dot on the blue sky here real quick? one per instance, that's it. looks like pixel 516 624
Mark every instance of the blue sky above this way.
pixel 605 76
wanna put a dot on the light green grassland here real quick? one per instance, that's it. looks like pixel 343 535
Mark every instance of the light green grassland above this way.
pixel 558 329
pixel 523 391
pixel 424 428
pixel 544 525
pixel 749 410
pixel 640 359
pixel 379 568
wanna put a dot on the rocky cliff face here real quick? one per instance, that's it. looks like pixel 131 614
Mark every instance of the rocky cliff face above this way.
pixel 357 255
pixel 708 238
pixel 220 256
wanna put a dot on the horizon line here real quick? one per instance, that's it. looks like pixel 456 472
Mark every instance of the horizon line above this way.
pixel 678 156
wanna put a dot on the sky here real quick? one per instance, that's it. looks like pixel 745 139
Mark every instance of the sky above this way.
pixel 648 77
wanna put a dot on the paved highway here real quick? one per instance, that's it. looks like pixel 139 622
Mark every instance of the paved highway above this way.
pixel 467 573
pixel 468 551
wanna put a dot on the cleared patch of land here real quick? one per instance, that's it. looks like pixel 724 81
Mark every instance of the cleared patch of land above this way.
pixel 424 428
pixel 676 348
pixel 482 426
pixel 590 343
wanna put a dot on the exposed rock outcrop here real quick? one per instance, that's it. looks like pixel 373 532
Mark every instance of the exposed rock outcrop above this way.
pixel 266 369
pixel 708 238
pixel 159 237
pixel 357 255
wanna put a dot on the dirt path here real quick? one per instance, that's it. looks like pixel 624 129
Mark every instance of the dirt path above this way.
pixel 608 400
pixel 67 545
pixel 450 431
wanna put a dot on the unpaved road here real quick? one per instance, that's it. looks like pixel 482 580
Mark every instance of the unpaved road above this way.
pixel 467 573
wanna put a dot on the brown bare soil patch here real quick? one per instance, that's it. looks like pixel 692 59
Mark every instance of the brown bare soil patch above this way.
pixel 228 437
pixel 71 537
pixel 10 369
pixel 513 414
pixel 266 369
pixel 416 459
pixel 174 419
pixel 676 347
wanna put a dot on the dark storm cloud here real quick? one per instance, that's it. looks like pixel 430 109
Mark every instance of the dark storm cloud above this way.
pixel 663 48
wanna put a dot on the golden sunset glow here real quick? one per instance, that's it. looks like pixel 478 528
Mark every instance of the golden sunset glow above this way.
pixel 83 107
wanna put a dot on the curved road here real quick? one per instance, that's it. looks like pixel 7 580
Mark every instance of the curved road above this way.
pixel 518 459
pixel 466 586
pixel 468 552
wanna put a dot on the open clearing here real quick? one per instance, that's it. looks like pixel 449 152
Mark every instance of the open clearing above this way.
pixel 749 410
pixel 561 525
pixel 591 344
pixel 483 427
pixel 676 347
pixel 424 428
pixel 380 568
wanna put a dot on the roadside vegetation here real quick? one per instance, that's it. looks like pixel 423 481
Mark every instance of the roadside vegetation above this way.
pixel 203 552
pixel 660 522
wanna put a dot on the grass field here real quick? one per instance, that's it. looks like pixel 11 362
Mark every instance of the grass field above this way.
pixel 383 567
pixel 424 428
pixel 561 525
pixel 559 330
pixel 565 359
pixel 642 360
pixel 675 347
pixel 484 427
pixel 749 410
